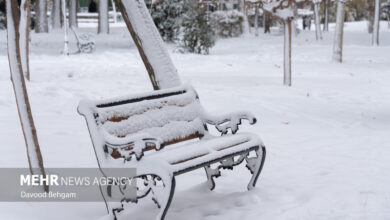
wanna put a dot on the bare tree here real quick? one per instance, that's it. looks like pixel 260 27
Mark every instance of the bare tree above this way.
pixel 155 56
pixel 73 4
pixel 24 27
pixel 41 24
pixel 66 39
pixel 30 136
pixel 56 14
pixel 103 27
pixel 266 22
pixel 375 34
pixel 257 20
pixel 317 18
pixel 326 15
pixel 339 32
pixel 285 11
pixel 370 6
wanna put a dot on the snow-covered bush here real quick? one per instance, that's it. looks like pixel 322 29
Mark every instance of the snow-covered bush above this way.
pixel 166 15
pixel 198 36
pixel 227 23
pixel 386 11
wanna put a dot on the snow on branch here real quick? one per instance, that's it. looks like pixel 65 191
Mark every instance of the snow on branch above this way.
pixel 158 63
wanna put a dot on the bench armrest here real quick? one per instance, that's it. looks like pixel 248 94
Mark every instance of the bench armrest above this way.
pixel 229 121
pixel 133 145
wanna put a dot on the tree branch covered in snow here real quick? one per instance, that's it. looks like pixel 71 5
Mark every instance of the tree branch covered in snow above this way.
pixel 24 30
pixel 155 56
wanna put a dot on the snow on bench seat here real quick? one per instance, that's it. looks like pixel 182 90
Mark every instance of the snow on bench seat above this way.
pixel 192 154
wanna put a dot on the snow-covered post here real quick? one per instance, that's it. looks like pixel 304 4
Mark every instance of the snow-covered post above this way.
pixel 41 23
pixel 339 32
pixel 150 45
pixel 56 14
pixel 317 18
pixel 73 13
pixel 24 30
pixel 284 10
pixel 103 17
pixel 375 34
pixel 66 41
pixel 326 15
pixel 34 156
pixel 287 53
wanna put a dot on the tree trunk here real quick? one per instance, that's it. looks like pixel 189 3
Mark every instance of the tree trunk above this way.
pixel 287 52
pixel 56 14
pixel 73 4
pixel 103 17
pixel 371 15
pixel 338 34
pixel 247 25
pixel 257 20
pixel 34 156
pixel 318 21
pixel 388 20
pixel 41 23
pixel 150 45
pixel 24 30
pixel 326 15
pixel 66 41
pixel 375 34
pixel 267 22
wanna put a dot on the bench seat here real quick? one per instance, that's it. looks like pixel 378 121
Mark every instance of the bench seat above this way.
pixel 193 155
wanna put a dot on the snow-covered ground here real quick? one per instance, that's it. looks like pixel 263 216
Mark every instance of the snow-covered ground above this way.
pixel 328 136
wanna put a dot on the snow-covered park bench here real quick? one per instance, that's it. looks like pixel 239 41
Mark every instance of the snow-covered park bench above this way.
pixel 135 131
pixel 85 43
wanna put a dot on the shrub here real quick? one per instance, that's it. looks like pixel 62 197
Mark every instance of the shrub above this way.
pixel 227 23
pixel 166 16
pixel 198 36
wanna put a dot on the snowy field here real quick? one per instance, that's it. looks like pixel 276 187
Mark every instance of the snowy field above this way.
pixel 328 136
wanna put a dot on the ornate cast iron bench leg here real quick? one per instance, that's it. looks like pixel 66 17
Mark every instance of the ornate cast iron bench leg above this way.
pixel 211 173
pixel 169 190
pixel 255 165
pixel 162 197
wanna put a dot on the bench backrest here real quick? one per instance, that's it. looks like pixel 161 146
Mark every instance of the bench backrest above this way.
pixel 172 115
